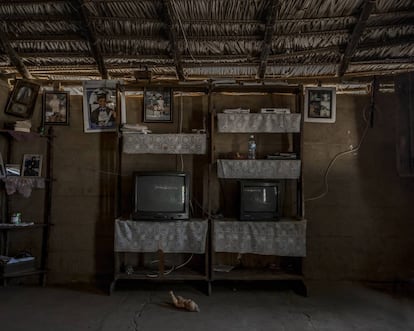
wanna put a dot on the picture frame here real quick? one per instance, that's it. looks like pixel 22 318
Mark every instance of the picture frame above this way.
pixel 320 104
pixel 32 165
pixel 100 107
pixel 158 105
pixel 2 168
pixel 55 108
pixel 22 100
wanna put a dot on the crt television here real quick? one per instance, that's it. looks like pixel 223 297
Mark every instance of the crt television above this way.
pixel 160 195
pixel 260 200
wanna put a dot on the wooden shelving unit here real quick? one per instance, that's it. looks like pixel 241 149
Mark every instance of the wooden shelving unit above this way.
pixel 164 143
pixel 225 171
pixel 10 231
pixel 218 170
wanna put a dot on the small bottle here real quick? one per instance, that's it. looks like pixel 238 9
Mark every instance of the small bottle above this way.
pixel 16 218
pixel 251 154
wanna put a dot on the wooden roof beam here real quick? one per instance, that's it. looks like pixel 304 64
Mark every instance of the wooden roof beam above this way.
pixel 15 59
pixel 268 35
pixel 169 18
pixel 366 10
pixel 94 43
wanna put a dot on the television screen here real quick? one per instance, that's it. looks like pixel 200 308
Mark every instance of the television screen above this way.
pixel 259 200
pixel 160 196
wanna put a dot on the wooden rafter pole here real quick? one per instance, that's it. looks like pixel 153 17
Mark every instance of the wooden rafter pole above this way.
pixel 94 43
pixel 268 35
pixel 169 18
pixel 365 12
pixel 15 59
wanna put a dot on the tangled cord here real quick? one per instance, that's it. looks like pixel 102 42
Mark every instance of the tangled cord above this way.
pixel 172 268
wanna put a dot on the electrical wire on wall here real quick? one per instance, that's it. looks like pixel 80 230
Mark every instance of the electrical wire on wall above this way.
pixel 180 129
pixel 369 123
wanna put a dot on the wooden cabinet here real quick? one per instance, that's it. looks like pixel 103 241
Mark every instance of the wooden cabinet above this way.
pixel 256 249
pixel 37 225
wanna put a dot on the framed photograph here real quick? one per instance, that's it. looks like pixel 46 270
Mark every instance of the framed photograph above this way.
pixel 22 99
pixel 12 169
pixel 320 104
pixel 158 105
pixel 32 165
pixel 2 169
pixel 55 108
pixel 100 106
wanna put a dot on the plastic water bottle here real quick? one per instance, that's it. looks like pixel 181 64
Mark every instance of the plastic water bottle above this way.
pixel 251 154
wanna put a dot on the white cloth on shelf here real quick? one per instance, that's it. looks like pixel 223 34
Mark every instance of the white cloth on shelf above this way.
pixel 23 185
pixel 284 238
pixel 168 236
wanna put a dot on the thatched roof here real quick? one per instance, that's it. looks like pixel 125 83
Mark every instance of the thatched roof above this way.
pixel 205 39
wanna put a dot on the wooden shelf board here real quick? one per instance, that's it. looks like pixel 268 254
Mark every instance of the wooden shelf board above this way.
pixel 23 136
pixel 9 227
pixel 23 273
pixel 180 274
pixel 255 274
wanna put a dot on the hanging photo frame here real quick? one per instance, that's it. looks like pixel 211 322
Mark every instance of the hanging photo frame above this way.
pixel 100 111
pixel 22 99
pixel 158 105
pixel 55 108
pixel 320 104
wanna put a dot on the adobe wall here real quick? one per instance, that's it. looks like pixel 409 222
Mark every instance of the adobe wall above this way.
pixel 361 229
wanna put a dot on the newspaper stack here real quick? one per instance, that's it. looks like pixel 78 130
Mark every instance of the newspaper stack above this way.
pixel 23 126
pixel 135 128
pixel 236 111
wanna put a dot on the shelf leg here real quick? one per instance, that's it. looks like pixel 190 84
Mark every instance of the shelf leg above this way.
pixel 112 286
pixel 300 288
pixel 209 288
pixel 42 280
pixel 161 263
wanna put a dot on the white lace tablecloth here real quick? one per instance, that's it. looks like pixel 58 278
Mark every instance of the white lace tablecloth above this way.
pixel 174 143
pixel 258 169
pixel 23 185
pixel 283 238
pixel 255 122
pixel 168 236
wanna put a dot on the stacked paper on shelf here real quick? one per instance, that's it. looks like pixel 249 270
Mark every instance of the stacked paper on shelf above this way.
pixel 23 126
pixel 275 110
pixel 135 128
pixel 282 156
pixel 236 111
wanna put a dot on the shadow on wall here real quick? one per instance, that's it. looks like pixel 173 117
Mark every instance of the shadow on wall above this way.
pixel 359 229
pixel 382 250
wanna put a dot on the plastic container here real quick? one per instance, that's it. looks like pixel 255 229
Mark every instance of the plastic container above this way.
pixel 251 148
pixel 16 218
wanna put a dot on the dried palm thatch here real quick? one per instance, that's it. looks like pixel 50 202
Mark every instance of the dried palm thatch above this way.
pixel 205 39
